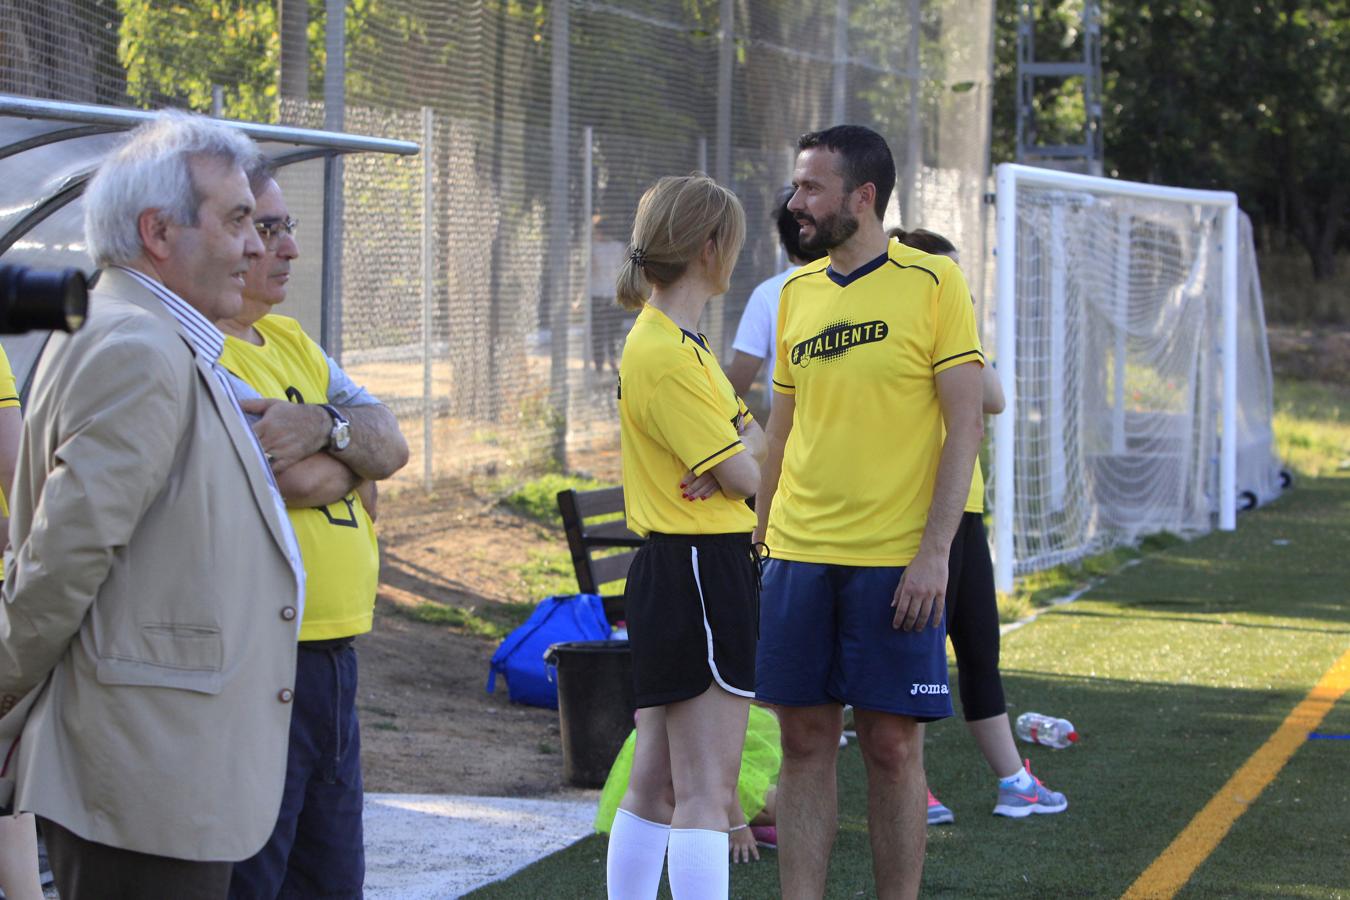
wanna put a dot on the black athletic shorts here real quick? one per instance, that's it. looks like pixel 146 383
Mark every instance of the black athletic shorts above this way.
pixel 692 607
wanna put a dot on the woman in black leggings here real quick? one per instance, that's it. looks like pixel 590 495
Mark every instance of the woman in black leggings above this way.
pixel 972 625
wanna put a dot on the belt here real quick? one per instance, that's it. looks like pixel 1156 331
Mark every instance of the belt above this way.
pixel 341 643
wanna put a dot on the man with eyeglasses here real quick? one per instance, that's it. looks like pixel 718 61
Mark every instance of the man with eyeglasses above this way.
pixel 328 442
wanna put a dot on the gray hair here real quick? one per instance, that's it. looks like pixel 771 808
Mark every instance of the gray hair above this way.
pixel 150 171
pixel 262 171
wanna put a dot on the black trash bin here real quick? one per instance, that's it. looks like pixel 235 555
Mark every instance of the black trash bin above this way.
pixel 595 706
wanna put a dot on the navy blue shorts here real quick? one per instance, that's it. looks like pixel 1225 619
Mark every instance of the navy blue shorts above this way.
pixel 317 848
pixel 825 636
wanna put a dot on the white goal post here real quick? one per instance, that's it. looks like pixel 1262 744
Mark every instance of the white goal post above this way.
pixel 1116 321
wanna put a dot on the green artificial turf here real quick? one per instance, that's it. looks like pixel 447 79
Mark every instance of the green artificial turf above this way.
pixel 1174 671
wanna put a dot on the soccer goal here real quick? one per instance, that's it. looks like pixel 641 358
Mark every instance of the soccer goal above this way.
pixel 1130 341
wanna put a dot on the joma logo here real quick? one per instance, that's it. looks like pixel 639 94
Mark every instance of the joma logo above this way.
pixel 917 688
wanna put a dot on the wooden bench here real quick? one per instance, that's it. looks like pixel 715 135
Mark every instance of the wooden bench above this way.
pixel 585 536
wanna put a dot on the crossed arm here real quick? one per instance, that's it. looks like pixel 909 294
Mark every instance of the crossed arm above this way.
pixel 308 474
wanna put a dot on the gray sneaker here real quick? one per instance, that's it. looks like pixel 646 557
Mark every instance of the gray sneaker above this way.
pixel 937 813
pixel 1019 804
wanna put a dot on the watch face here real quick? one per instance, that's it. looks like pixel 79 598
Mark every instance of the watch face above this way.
pixel 341 435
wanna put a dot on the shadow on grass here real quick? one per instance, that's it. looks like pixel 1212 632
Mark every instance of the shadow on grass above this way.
pixel 1198 620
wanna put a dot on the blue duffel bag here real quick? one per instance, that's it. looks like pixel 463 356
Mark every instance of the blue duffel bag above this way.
pixel 520 658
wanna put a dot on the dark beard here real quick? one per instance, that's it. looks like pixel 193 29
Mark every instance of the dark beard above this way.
pixel 830 232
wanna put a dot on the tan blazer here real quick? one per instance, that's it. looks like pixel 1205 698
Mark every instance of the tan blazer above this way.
pixel 148 620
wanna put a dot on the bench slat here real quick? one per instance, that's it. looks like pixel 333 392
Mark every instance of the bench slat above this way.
pixel 599 502
pixel 611 568
pixel 614 534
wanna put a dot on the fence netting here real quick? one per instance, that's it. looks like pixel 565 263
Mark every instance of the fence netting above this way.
pixel 476 294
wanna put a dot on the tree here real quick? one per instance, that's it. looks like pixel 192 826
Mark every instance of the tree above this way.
pixel 63 50
pixel 175 52
pixel 1245 96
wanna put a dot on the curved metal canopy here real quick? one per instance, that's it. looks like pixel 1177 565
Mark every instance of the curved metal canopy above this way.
pixel 48 150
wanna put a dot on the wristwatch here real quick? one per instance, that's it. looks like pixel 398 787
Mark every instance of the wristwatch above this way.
pixel 341 435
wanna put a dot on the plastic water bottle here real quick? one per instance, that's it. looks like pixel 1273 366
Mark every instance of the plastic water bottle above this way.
pixel 1035 728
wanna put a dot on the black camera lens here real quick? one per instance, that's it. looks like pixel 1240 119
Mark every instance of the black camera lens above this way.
pixel 42 300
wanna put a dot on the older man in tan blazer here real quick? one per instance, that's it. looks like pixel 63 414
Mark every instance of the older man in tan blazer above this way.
pixel 149 620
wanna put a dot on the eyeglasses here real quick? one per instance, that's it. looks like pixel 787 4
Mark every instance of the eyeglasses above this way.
pixel 270 231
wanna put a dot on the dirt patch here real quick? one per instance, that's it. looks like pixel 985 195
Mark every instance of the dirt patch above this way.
pixel 427 726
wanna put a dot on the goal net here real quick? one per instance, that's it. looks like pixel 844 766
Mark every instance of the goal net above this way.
pixel 1117 306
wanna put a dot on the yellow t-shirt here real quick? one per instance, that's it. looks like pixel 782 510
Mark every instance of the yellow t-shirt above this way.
pixel 677 413
pixel 975 502
pixel 9 396
pixel 338 541
pixel 859 353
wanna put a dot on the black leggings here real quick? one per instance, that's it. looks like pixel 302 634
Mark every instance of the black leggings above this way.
pixel 972 621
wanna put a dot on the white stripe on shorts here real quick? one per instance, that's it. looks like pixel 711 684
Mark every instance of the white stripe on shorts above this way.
pixel 707 630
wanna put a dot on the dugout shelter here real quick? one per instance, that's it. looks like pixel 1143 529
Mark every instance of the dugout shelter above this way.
pixel 50 149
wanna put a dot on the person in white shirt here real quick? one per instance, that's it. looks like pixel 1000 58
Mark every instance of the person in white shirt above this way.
pixel 755 336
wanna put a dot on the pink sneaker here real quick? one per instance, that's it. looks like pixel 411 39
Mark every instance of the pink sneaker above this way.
pixel 765 835
pixel 937 813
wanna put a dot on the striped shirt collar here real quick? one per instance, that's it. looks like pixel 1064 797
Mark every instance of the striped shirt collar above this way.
pixel 206 339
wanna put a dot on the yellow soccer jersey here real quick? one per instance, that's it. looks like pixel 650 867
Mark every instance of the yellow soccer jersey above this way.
pixel 337 542
pixel 677 412
pixel 9 391
pixel 9 396
pixel 975 501
pixel 860 353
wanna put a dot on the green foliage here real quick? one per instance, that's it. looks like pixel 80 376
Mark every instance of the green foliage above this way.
pixel 1312 426
pixel 548 572
pixel 1037 590
pixel 175 52
pixel 492 621
pixel 1249 97
pixel 1274 81
pixel 538 499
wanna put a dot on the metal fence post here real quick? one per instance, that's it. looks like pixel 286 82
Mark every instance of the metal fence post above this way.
pixel 914 129
pixel 726 56
pixel 428 289
pixel 559 220
pixel 839 97
pixel 334 119
pixel 587 229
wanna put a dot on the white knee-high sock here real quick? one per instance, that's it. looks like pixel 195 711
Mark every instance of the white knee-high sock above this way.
pixel 698 864
pixel 637 851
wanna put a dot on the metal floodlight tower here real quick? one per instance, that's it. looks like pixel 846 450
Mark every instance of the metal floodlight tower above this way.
pixel 1085 155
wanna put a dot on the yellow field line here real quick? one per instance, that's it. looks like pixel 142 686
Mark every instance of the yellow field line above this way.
pixel 1178 862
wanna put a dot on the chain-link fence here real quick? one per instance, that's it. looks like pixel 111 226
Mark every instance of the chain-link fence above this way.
pixel 476 289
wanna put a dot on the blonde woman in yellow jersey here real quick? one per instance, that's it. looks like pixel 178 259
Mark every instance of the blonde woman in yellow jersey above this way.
pixel 972 625
pixel 690 459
